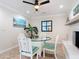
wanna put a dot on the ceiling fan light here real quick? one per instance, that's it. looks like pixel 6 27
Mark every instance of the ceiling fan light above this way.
pixel 36 6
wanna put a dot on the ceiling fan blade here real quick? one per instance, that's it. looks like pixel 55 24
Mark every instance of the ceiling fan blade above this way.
pixel 28 2
pixel 45 2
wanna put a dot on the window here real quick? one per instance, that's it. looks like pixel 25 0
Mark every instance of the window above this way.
pixel 46 26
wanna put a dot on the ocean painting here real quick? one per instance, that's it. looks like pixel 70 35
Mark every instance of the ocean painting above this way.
pixel 19 22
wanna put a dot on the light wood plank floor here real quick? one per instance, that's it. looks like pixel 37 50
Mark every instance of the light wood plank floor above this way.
pixel 14 54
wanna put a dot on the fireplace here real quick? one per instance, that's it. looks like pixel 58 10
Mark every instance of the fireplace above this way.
pixel 76 39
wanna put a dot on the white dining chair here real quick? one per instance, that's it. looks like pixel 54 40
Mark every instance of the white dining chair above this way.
pixel 26 48
pixel 52 47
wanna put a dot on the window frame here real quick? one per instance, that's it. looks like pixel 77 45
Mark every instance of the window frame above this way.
pixel 47 26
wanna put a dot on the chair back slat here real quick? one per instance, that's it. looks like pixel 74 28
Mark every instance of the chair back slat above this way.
pixel 24 44
pixel 56 41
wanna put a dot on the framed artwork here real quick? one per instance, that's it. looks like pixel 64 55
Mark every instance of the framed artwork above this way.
pixel 46 26
pixel 19 22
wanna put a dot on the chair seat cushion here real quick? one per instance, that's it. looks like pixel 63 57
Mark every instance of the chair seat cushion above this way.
pixel 49 45
pixel 34 49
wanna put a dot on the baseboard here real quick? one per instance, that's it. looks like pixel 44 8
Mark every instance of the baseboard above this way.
pixel 8 49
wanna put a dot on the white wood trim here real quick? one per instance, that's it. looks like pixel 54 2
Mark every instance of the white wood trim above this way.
pixel 8 49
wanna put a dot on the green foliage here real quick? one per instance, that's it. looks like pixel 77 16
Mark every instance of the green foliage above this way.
pixel 33 31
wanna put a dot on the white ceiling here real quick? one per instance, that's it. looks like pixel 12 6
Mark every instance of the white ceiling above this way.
pixel 50 8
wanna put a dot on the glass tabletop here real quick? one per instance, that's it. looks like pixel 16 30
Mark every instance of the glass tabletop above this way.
pixel 41 39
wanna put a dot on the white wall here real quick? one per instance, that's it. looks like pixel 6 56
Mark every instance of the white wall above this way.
pixel 59 26
pixel 8 33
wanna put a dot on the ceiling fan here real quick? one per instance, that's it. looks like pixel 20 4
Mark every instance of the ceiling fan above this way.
pixel 37 4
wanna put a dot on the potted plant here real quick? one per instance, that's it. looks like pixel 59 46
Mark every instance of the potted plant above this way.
pixel 32 31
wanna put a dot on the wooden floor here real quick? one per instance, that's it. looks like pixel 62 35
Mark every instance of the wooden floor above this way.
pixel 14 54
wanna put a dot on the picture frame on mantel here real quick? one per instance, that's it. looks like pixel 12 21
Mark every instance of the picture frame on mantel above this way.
pixel 46 26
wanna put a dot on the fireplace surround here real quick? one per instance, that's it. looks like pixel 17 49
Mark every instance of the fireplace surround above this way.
pixel 76 38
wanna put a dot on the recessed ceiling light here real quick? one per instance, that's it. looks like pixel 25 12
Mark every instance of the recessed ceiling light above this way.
pixel 61 6
pixel 27 12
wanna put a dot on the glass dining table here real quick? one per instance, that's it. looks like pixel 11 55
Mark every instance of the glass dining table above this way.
pixel 39 42
pixel 41 39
